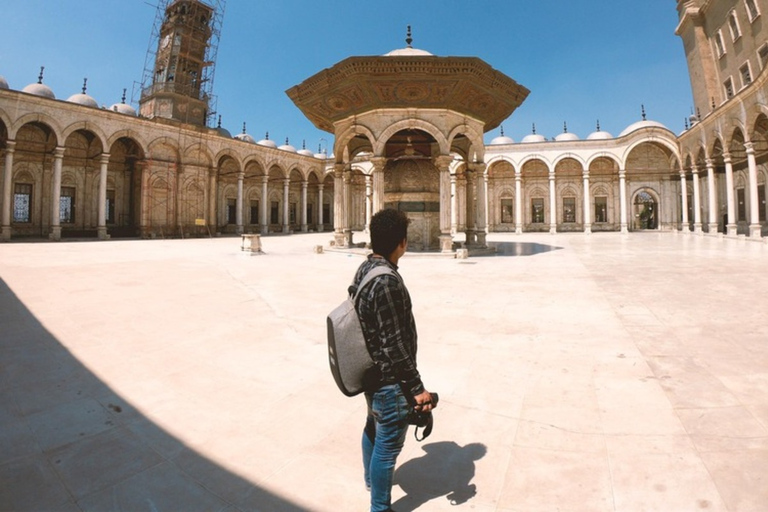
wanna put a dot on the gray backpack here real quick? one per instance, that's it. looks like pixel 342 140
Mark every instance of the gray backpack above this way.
pixel 347 351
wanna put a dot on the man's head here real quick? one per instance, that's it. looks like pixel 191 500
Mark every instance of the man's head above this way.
pixel 389 228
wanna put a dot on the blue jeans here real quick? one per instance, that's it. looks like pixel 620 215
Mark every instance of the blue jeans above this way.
pixel 383 438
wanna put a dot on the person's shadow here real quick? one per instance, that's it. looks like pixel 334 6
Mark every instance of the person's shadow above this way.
pixel 446 470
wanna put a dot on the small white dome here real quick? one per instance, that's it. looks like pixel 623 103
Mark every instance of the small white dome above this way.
pixel 287 147
pixel 499 141
pixel 566 137
pixel 84 100
pixel 224 132
pixel 321 156
pixel 39 89
pixel 245 138
pixel 268 143
pixel 306 152
pixel 3 83
pixel 408 52
pixel 534 137
pixel 640 125
pixel 123 108
pixel 599 135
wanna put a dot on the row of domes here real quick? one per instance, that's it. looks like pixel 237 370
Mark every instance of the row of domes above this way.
pixel 266 142
pixel 568 136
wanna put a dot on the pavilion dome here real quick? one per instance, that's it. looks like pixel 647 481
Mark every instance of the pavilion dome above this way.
pixel 640 125
pixel 287 147
pixel 408 51
pixel 3 83
pixel 39 89
pixel 84 100
pixel 266 142
pixel 245 137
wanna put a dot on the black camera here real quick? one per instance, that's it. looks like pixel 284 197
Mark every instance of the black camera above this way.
pixel 420 418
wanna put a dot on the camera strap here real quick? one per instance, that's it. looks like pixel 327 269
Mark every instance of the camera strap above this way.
pixel 427 429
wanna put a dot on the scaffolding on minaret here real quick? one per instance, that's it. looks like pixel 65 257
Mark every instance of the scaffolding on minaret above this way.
pixel 200 86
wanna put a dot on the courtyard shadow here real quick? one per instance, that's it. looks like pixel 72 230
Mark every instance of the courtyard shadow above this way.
pixel 446 470
pixel 521 248
pixel 69 442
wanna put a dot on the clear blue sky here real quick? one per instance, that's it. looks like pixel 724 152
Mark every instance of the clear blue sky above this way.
pixel 582 61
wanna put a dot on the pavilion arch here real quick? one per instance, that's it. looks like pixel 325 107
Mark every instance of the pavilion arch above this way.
pixel 198 150
pixel 410 124
pixel 128 134
pixel 171 155
pixel 475 139
pixel 85 127
pixel 345 138
pixel 36 118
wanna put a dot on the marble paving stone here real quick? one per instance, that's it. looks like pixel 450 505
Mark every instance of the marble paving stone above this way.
pixel 740 477
pixel 69 422
pixel 29 483
pixel 724 428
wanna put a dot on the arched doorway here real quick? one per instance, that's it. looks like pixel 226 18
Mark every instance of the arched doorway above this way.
pixel 646 211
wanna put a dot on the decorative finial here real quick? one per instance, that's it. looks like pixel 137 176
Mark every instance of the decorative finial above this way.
pixel 286 141
pixel 642 109
pixel 502 130
pixel 686 123
pixel 565 127
pixel 85 85
pixel 304 144
pixel 40 77
pixel 267 136
pixel 124 91
pixel 219 125
pixel 243 127
pixel 598 125
pixel 409 39
pixel 319 148
pixel 698 113
pixel 534 129
pixel 713 103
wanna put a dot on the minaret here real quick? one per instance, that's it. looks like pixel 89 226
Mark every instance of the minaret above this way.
pixel 176 90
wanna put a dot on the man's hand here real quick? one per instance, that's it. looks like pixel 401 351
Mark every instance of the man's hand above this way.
pixel 423 401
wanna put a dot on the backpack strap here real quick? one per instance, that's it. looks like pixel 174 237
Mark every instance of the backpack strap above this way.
pixel 375 272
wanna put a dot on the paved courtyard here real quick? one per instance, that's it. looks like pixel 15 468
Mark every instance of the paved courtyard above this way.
pixel 576 373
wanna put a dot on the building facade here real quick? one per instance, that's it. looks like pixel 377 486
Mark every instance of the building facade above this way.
pixel 70 168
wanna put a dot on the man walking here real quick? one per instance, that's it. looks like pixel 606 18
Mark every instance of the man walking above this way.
pixel 393 386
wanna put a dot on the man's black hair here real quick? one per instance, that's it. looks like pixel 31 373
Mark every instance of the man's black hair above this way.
pixel 388 228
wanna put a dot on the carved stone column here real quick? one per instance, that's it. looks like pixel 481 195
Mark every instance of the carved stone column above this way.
pixel 348 210
pixel 320 220
pixel 378 184
pixel 338 204
pixel 696 201
pixel 286 212
pixel 587 203
pixel 518 202
pixel 469 176
pixel 552 203
pixel 10 148
pixel 754 206
pixel 264 205
pixel 368 203
pixel 623 200
pixel 101 228
pixel 454 206
pixel 443 163
pixel 58 161
pixel 304 225
pixel 480 205
pixel 239 204
pixel 684 201
pixel 212 198
pixel 712 189
pixel 731 227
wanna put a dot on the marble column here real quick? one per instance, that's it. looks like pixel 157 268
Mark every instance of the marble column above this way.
pixel 320 220
pixel 481 202
pixel 754 206
pixel 552 203
pixel 58 162
pixel 443 164
pixel 623 200
pixel 286 211
pixel 696 201
pixel 587 204
pixel 712 189
pixel 377 201
pixel 264 205
pixel 102 223
pixel 731 227
pixel 338 205
pixel 239 204
pixel 212 198
pixel 518 202
pixel 454 206
pixel 10 149
pixel 470 206
pixel 348 210
pixel 368 203
pixel 684 202
pixel 304 225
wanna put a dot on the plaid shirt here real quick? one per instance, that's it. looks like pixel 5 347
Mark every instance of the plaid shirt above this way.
pixel 384 309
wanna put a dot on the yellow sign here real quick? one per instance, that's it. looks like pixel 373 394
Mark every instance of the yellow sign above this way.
pixel 199 222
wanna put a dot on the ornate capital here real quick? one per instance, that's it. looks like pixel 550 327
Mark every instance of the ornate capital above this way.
pixel 750 147
pixel 443 162
pixel 10 146
pixel 59 152
pixel 379 162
